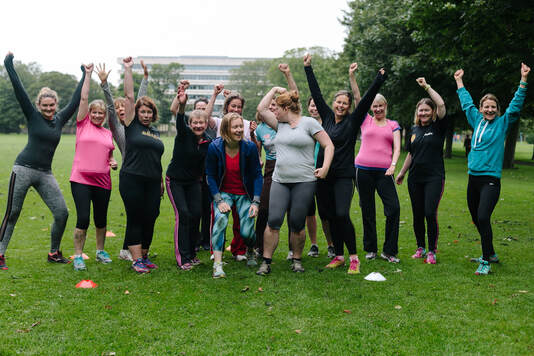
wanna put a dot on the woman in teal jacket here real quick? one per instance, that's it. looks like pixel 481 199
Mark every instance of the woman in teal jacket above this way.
pixel 486 158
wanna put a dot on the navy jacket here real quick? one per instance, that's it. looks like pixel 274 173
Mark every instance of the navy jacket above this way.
pixel 249 164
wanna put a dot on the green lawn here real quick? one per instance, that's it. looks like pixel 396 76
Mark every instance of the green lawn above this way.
pixel 420 309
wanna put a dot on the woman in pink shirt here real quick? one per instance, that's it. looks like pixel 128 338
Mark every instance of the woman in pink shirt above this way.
pixel 375 166
pixel 90 178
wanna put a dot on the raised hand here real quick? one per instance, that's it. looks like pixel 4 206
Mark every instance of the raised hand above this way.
pixel 307 60
pixel 352 68
pixel 128 62
pixel 217 89
pixel 382 71
pixel 226 92
pixel 279 90
pixel 184 83
pixel 524 71
pixel 9 53
pixel 181 95
pixel 88 68
pixel 458 75
pixel 422 82
pixel 253 126
pixel 145 68
pixel 101 71
pixel 284 68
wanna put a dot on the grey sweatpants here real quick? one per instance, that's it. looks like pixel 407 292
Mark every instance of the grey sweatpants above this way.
pixel 22 178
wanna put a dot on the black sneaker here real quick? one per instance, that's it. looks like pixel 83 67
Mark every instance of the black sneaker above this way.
pixel 57 257
pixel 314 251
pixel 296 266
pixel 264 269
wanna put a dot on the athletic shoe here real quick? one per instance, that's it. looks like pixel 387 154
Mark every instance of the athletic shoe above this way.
pixel 289 256
pixel 195 261
pixel 331 252
pixel 492 259
pixel 125 255
pixel 186 267
pixel 354 267
pixel 103 256
pixel 296 266
pixel 148 263
pixel 240 258
pixel 430 258
pixel 212 257
pixel 314 251
pixel 370 255
pixel 336 262
pixel 419 253
pixel 79 264
pixel 3 262
pixel 389 258
pixel 140 267
pixel 57 257
pixel 251 259
pixel 483 268
pixel 264 269
pixel 218 270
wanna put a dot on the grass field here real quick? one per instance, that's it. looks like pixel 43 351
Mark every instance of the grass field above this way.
pixel 420 309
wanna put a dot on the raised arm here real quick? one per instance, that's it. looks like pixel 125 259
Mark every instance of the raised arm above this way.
pixel 436 98
pixel 466 101
pixel 365 104
pixel 143 88
pixel 83 109
pixel 184 84
pixel 128 91
pixel 320 104
pixel 117 130
pixel 284 68
pixel 181 99
pixel 22 97
pixel 66 113
pixel 353 84
pixel 515 106
pixel 524 75
pixel 263 107
pixel 217 89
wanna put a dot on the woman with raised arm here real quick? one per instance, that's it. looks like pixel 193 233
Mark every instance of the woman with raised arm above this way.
pixel 375 167
pixel 33 166
pixel 141 184
pixel 234 177
pixel 184 176
pixel 427 171
pixel 334 194
pixel 90 180
pixel 116 114
pixel 486 157
pixel 294 175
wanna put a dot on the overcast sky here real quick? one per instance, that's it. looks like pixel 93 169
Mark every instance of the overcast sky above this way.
pixel 60 35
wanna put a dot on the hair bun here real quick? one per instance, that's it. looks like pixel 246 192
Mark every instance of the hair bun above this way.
pixel 294 95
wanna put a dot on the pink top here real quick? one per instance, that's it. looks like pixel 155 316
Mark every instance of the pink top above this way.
pixel 94 145
pixel 376 148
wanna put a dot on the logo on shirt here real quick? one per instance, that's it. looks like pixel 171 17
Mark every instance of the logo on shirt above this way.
pixel 428 134
pixel 413 138
pixel 148 133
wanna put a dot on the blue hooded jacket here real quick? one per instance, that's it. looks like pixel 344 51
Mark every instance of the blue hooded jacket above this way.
pixel 487 143
pixel 249 165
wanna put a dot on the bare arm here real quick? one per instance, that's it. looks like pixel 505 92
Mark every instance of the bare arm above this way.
pixel 284 68
pixel 129 91
pixel 458 76
pixel 436 98
pixel 354 84
pixel 143 88
pixel 396 152
pixel 83 109
pixel 405 167
pixel 263 107
pixel 325 142
pixel 209 108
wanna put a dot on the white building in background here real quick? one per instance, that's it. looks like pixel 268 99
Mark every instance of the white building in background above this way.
pixel 203 73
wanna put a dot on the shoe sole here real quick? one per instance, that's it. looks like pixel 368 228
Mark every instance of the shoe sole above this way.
pixel 104 261
pixel 219 277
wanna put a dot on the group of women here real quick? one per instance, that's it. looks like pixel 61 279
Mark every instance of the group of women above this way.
pixel 308 161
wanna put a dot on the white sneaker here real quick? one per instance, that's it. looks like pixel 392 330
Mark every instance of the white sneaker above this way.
pixel 370 255
pixel 125 255
pixel 212 257
pixel 218 270
pixel 289 255
pixel 240 258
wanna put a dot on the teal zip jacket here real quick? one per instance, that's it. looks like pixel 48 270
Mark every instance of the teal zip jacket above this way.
pixel 487 142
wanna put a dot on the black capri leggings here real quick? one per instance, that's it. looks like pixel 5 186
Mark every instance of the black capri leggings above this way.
pixel 295 196
pixel 83 195
pixel 141 197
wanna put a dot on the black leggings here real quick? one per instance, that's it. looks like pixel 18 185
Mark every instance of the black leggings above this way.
pixel 294 196
pixel 368 182
pixel 141 197
pixel 263 211
pixel 187 203
pixel 425 198
pixel 482 197
pixel 83 195
pixel 334 197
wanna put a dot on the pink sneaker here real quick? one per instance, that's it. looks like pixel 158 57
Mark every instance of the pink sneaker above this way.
pixel 336 262
pixel 354 267
pixel 430 258
pixel 419 253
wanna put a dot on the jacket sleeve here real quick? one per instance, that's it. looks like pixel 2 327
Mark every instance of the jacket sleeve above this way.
pixel 514 108
pixel 361 110
pixel 472 113
pixel 66 113
pixel 212 172
pixel 20 93
pixel 117 130
pixel 181 127
pixel 256 171
pixel 324 111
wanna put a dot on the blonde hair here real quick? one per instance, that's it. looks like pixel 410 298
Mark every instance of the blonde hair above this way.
pixel 290 101
pixel 428 102
pixel 119 101
pixel 381 99
pixel 226 125
pixel 200 114
pixel 46 92
pixel 99 104
pixel 490 96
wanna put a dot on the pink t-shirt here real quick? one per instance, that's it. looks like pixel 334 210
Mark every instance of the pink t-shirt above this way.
pixel 91 158
pixel 376 148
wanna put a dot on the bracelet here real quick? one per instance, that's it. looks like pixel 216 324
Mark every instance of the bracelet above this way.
pixel 523 83
pixel 393 164
pixel 427 87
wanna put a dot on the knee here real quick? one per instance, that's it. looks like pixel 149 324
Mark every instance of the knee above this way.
pixel 483 219
pixel 275 223
pixel 61 215
pixel 393 210
pixel 82 222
